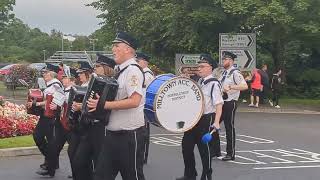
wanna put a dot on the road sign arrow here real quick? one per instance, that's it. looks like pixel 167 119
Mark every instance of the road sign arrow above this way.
pixel 250 40
pixel 250 58
pixel 181 59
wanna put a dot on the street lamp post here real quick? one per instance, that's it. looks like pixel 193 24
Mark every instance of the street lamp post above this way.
pixel 92 41
pixel 44 55
pixel 62 42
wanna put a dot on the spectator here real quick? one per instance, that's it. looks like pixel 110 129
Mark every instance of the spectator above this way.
pixel 256 87
pixel 275 88
pixel 265 84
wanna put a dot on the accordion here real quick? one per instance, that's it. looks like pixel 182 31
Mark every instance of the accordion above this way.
pixel 47 111
pixel 63 117
pixel 106 88
pixel 70 117
pixel 35 95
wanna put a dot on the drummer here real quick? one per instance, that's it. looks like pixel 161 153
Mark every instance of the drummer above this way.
pixel 143 61
pixel 212 112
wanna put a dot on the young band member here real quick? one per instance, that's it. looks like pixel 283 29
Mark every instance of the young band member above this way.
pixel 43 134
pixel 63 135
pixel 91 140
pixel 76 133
pixel 143 61
pixel 212 91
pixel 124 136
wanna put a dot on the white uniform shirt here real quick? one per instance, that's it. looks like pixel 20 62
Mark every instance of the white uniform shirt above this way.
pixel 52 86
pixel 211 100
pixel 67 92
pixel 235 78
pixel 148 76
pixel 130 81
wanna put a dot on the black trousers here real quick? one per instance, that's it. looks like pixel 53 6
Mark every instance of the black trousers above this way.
pixel 146 142
pixel 228 115
pixel 73 145
pixel 62 136
pixel 190 139
pixel 45 139
pixel 87 152
pixel 121 152
pixel 215 149
pixel 275 97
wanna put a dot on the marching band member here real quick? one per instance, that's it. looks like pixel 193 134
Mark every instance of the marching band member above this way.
pixel 86 155
pixel 43 134
pixel 212 91
pixel 143 61
pixel 76 133
pixel 124 136
pixel 63 135
pixel 232 82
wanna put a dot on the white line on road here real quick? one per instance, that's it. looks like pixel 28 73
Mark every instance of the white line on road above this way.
pixel 287 167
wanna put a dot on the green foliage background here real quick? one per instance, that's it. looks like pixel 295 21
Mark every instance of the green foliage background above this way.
pixel 288 33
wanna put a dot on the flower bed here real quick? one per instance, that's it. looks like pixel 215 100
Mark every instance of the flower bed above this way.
pixel 14 120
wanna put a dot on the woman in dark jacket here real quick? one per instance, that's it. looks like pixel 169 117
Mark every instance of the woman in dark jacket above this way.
pixel 275 87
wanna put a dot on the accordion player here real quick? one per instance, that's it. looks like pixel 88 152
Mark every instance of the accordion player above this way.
pixel 70 117
pixel 106 87
pixel 34 96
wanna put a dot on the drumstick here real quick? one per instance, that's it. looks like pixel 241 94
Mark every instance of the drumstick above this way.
pixel 208 136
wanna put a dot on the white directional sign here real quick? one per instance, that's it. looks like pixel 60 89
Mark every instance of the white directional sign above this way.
pixel 244 58
pixel 186 61
pixel 241 44
pixel 189 59
pixel 236 41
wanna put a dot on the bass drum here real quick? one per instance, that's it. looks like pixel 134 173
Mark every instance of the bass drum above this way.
pixel 174 103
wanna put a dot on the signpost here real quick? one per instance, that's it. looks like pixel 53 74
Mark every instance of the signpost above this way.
pixel 186 62
pixel 241 44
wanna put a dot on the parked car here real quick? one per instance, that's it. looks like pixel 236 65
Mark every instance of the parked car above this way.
pixel 6 69
pixel 37 66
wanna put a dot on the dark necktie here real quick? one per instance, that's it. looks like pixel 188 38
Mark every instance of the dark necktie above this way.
pixel 224 75
pixel 117 69
pixel 201 81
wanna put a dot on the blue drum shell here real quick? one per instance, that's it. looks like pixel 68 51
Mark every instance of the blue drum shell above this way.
pixel 151 93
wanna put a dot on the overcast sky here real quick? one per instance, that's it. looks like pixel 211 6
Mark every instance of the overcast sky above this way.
pixel 68 16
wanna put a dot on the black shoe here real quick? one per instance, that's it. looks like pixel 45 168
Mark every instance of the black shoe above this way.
pixel 70 177
pixel 45 173
pixel 228 158
pixel 44 166
pixel 215 155
pixel 186 178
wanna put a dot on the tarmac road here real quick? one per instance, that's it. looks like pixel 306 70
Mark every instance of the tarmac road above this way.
pixel 269 146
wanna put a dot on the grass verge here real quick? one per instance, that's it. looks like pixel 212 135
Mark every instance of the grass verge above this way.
pixel 304 102
pixel 20 141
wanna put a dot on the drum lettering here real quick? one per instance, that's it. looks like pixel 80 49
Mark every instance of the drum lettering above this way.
pixel 163 93
pixel 196 92
pixel 184 82
pixel 159 102
pixel 179 97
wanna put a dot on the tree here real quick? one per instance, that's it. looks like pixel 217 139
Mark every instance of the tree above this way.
pixel 6 6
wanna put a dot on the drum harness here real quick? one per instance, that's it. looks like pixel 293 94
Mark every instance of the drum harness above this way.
pixel 212 87
pixel 122 70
